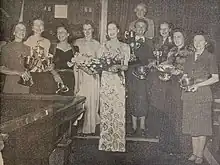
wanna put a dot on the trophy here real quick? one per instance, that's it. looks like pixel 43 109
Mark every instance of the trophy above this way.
pixel 141 72
pixel 158 54
pixel 186 82
pixel 62 88
pixel 129 36
pixel 130 39
pixel 28 63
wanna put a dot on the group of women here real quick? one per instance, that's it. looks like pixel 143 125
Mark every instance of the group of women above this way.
pixel 187 110
pixel 105 92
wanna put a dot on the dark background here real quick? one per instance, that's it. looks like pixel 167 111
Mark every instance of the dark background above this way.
pixel 188 14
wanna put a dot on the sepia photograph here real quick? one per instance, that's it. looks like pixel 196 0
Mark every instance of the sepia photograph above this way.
pixel 109 82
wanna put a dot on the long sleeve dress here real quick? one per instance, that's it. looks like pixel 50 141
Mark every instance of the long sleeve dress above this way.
pixel 89 86
pixel 197 111
pixel 12 58
pixel 112 102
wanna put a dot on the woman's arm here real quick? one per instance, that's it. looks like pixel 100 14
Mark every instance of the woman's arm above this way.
pixel 127 57
pixel 7 71
pixel 56 77
pixel 210 81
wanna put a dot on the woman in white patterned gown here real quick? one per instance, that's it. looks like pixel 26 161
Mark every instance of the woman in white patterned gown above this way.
pixel 112 93
pixel 89 84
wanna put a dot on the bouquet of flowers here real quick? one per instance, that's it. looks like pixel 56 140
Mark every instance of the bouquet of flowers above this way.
pixel 102 64
pixel 96 65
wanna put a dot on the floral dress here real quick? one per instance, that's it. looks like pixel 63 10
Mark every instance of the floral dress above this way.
pixel 112 102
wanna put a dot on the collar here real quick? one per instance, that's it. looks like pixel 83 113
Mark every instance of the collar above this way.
pixel 199 55
pixel 138 38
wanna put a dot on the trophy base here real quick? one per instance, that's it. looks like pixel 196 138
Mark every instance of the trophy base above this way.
pixel 28 83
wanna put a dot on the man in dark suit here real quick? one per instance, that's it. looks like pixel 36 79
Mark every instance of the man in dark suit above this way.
pixel 137 87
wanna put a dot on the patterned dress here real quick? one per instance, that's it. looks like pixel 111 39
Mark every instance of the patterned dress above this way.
pixel 112 100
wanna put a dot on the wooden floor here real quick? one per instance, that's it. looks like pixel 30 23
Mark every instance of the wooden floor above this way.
pixel 85 152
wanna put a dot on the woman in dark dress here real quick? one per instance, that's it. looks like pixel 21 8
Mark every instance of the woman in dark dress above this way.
pixel 165 96
pixel 197 113
pixel 172 126
pixel 63 53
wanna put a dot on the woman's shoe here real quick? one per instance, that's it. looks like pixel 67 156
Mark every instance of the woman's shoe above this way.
pixel 199 160
pixel 143 133
pixel 193 157
pixel 133 132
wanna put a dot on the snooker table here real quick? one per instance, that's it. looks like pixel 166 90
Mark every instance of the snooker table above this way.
pixel 35 124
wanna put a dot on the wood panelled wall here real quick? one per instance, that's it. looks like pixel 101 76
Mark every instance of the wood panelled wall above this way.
pixel 188 14
pixel 36 9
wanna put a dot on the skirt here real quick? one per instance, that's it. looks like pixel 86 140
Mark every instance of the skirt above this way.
pixel 137 92
pixel 69 80
pixel 197 118
pixel 11 85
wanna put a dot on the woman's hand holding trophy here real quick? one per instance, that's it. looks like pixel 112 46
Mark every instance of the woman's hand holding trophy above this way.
pixel 187 84
pixel 157 53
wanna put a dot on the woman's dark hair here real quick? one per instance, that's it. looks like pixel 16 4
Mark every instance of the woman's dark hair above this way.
pixel 115 23
pixel 89 22
pixel 143 21
pixel 170 25
pixel 66 27
pixel 182 31
pixel 210 46
pixel 118 27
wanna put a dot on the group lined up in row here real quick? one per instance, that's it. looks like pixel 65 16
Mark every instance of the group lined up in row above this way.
pixel 107 90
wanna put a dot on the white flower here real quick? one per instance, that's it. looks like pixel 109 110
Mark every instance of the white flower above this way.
pixel 169 39
pixel 132 44
pixel 69 64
